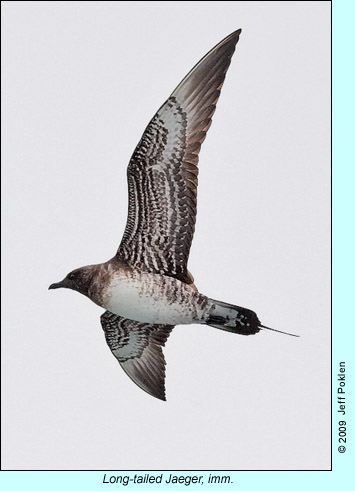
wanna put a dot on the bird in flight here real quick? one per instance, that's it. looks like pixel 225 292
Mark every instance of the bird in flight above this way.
pixel 146 288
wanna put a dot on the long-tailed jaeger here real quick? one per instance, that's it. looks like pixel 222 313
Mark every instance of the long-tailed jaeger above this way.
pixel 146 287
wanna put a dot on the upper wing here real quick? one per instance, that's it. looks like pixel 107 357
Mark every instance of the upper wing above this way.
pixel 138 348
pixel 162 173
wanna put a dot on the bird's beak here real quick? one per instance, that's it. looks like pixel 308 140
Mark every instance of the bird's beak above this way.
pixel 61 284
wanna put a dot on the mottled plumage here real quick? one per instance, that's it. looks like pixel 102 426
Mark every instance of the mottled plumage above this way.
pixel 146 288
pixel 138 348
pixel 162 173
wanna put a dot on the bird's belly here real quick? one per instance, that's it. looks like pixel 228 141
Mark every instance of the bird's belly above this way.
pixel 145 301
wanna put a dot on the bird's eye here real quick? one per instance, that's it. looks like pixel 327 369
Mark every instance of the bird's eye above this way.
pixel 71 276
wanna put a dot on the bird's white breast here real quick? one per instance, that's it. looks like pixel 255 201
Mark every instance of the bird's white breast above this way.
pixel 153 299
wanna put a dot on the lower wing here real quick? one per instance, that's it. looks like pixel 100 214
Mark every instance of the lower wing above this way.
pixel 138 348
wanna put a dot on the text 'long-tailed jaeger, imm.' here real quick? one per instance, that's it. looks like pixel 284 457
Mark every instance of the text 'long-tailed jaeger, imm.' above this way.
pixel 146 288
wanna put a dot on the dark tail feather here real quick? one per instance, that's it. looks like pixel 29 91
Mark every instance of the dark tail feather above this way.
pixel 282 332
pixel 235 319
pixel 232 318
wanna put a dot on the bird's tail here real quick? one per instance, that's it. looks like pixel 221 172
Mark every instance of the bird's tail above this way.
pixel 232 318
pixel 235 319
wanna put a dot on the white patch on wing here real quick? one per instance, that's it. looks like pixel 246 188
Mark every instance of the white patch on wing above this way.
pixel 128 349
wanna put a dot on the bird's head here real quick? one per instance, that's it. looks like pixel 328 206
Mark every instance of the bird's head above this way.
pixel 78 280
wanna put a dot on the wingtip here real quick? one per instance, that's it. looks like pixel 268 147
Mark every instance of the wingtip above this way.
pixel 161 397
pixel 234 34
pixel 232 39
